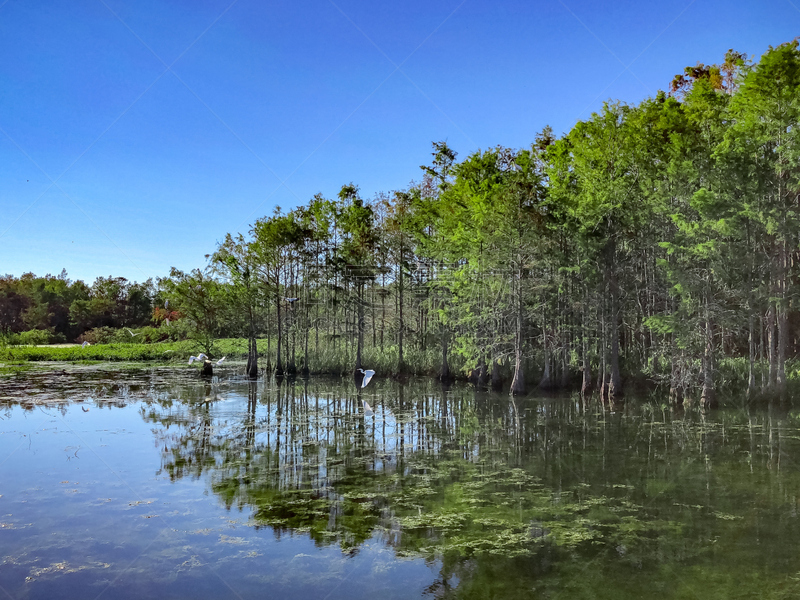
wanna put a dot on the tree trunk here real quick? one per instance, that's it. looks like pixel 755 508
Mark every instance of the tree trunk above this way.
pixel 252 349
pixel 761 354
pixel 586 367
pixel 307 334
pixel 278 362
pixel 751 343
pixel 445 375
pixel 783 322
pixel 383 311
pixel 546 382
pixel 401 323
pixel 708 396
pixel 771 339
pixel 497 380
pixel 565 365
pixel 372 320
pixel 615 383
pixel 480 380
pixel 359 325
pixel 518 386
pixel 269 341
pixel 252 357
pixel 603 370
pixel 675 390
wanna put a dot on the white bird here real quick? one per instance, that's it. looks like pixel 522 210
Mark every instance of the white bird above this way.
pixel 166 303
pixel 167 321
pixel 84 344
pixel 290 300
pixel 367 376
pixel 133 334
pixel 219 362
pixel 200 356
pixel 367 409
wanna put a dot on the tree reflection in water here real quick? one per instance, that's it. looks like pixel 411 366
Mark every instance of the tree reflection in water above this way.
pixel 508 495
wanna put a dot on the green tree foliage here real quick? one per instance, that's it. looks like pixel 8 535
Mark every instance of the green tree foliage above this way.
pixel 201 301
pixel 66 309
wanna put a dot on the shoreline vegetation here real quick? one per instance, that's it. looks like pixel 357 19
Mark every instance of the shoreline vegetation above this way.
pixel 732 372
pixel 655 244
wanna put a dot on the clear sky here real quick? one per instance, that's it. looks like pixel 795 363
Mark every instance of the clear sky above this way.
pixel 135 135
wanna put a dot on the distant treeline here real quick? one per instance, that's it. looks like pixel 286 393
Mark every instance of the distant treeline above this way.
pixel 62 310
pixel 650 241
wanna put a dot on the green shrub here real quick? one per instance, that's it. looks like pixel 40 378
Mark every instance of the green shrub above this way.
pixel 98 335
pixel 37 337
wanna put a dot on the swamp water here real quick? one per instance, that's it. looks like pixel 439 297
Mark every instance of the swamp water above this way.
pixel 132 483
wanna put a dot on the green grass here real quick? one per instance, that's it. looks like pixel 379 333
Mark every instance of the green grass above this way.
pixel 327 359
pixel 167 352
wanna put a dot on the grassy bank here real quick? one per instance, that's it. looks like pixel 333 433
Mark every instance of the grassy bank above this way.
pixel 326 360
pixel 170 352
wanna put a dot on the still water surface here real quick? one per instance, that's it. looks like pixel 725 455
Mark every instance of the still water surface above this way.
pixel 154 483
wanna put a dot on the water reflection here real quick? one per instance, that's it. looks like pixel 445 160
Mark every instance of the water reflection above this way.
pixel 477 479
pixel 500 497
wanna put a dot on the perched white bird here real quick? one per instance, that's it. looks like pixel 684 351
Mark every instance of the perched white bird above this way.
pixel 367 409
pixel 133 334
pixel 367 376
pixel 84 344
pixel 166 303
pixel 219 362
pixel 167 321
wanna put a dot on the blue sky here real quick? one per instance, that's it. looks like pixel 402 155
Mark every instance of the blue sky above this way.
pixel 135 135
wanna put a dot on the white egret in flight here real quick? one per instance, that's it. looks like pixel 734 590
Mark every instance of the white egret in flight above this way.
pixel 84 344
pixel 367 376
pixel 200 356
pixel 133 334
pixel 219 362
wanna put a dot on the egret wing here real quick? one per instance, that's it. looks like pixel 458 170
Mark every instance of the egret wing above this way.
pixel 367 376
